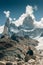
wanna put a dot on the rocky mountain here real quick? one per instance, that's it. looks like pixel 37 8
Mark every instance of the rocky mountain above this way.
pixel 27 28
pixel 14 41
pixel 13 52
pixel 27 23
pixel 15 47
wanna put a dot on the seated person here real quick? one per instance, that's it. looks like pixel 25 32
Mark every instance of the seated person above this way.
pixel 30 51
pixel 29 54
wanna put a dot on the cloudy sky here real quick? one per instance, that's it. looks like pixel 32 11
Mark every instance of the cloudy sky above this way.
pixel 18 7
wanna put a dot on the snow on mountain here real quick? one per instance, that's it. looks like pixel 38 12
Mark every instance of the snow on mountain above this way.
pixel 40 44
pixel 27 28
pixel 29 12
pixel 1 29
pixel 25 24
pixel 38 24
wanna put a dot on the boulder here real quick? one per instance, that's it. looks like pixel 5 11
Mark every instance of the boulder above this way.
pixel 8 45
pixel 9 63
pixel 1 63
pixel 19 63
pixel 31 61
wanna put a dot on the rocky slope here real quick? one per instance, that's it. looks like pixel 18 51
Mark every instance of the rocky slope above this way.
pixel 15 47
pixel 13 50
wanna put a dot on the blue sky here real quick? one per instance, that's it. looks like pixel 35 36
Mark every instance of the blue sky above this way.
pixel 18 7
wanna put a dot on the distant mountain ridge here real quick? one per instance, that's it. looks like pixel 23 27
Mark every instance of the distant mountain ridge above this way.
pixel 27 28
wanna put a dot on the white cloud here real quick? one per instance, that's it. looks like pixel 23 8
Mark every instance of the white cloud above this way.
pixel 7 13
pixel 10 18
pixel 29 9
pixel 20 20
pixel 29 12
pixel 14 19
pixel 1 29
pixel 40 45
pixel 39 24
